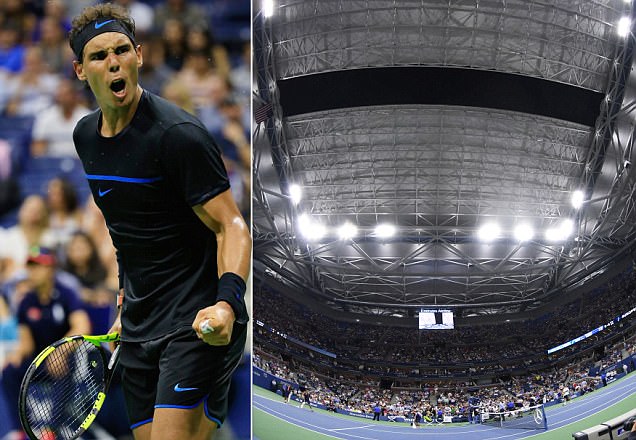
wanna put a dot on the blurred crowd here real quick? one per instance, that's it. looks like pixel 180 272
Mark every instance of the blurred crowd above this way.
pixel 188 60
pixel 183 62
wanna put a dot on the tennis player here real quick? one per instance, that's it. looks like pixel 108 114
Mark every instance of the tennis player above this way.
pixel 183 247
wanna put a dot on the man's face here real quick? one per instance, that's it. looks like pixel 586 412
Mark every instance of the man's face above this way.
pixel 39 274
pixel 111 65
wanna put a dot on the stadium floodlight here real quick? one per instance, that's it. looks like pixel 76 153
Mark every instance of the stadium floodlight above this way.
pixel 561 232
pixel 268 8
pixel 347 231
pixel 311 229
pixel 524 232
pixel 295 193
pixel 624 26
pixel 577 199
pixel 552 234
pixel 384 230
pixel 567 227
pixel 489 232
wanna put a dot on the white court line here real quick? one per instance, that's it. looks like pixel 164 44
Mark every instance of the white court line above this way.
pixel 353 427
pixel 408 432
pixel 614 399
pixel 265 410
pixel 608 396
pixel 319 429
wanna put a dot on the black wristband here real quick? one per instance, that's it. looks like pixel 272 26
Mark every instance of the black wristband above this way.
pixel 231 289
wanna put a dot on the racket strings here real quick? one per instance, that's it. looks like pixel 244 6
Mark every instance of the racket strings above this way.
pixel 63 389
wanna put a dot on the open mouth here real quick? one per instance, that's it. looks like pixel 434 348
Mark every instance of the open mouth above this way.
pixel 118 86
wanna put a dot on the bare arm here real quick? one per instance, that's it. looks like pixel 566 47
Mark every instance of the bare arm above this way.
pixel 232 235
pixel 79 322
pixel 234 248
pixel 24 348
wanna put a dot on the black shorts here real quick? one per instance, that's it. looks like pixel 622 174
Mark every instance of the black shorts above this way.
pixel 179 371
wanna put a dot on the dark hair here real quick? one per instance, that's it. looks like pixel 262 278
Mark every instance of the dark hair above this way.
pixel 69 194
pixel 96 270
pixel 96 12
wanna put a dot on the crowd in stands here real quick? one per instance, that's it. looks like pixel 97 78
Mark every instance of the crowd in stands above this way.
pixel 508 344
pixel 196 54
pixel 341 391
pixel 446 372
pixel 184 61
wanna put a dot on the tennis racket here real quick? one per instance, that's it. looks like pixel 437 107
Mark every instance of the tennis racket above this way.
pixel 65 387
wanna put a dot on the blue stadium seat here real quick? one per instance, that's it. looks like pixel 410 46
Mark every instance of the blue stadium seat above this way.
pixel 38 171
pixel 229 20
pixel 17 131
pixel 9 219
pixel 23 123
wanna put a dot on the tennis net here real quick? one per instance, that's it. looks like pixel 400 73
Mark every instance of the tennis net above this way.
pixel 520 418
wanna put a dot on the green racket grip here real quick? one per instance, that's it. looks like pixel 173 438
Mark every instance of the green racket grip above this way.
pixel 98 339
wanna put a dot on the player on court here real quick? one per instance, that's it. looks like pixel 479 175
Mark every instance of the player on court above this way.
pixel 183 247
pixel 306 398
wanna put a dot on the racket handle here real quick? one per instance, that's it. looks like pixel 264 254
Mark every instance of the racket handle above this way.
pixel 114 357
pixel 205 327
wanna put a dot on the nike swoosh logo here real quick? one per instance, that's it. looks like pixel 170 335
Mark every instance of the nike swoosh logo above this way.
pixel 103 193
pixel 178 389
pixel 98 25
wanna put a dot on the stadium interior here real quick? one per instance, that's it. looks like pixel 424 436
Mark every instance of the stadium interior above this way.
pixel 196 54
pixel 472 157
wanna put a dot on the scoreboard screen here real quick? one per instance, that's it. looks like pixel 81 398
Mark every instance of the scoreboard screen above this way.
pixel 436 319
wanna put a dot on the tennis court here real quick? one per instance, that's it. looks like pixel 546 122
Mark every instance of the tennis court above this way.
pixel 273 419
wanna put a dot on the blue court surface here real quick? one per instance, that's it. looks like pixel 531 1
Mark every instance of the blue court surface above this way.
pixel 622 392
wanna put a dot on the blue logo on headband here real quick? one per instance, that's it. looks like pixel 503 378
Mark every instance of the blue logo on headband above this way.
pixel 98 25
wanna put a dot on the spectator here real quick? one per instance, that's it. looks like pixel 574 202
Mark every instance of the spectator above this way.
pixel 198 39
pixel 210 113
pixel 33 89
pixel 188 14
pixel 177 92
pixel 48 312
pixel 14 12
pixel 155 73
pixel 94 225
pixel 82 261
pixel 9 191
pixel 200 78
pixel 174 43
pixel 8 323
pixel 64 213
pixel 58 11
pixel 11 48
pixel 52 133
pixel 53 43
pixel 141 13
pixel 241 76
pixel 75 7
pixel 234 132
pixel 32 230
